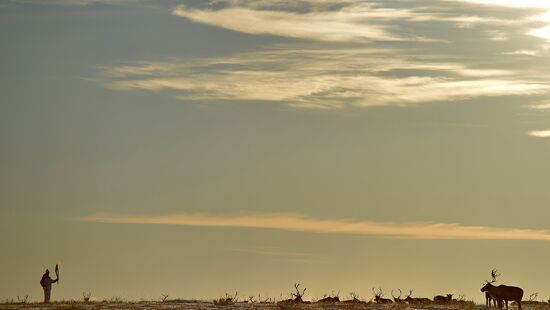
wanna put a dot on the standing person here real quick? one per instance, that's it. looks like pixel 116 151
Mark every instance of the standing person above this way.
pixel 46 283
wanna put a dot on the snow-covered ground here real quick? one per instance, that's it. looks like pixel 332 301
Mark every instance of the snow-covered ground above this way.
pixel 208 305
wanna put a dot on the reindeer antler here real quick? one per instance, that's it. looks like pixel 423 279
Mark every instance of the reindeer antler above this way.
pixel 494 275
pixel 297 287
pixel 378 294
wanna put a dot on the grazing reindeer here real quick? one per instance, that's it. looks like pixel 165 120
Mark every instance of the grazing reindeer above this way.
pixel 297 296
pixel 353 299
pixel 416 301
pixel 503 293
pixel 443 299
pixel 488 299
pixel 378 297
pixel 329 300
pixel 398 299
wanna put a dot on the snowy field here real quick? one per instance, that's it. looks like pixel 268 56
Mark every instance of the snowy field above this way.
pixel 208 305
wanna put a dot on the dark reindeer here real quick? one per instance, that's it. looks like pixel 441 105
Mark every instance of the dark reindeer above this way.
pixel 378 297
pixel 297 297
pixel 330 299
pixel 443 299
pixel 353 299
pixel 416 301
pixel 488 299
pixel 502 293
pixel 398 299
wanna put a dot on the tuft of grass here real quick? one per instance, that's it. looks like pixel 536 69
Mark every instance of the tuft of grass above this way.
pixel 114 300
pixel 22 299
pixel 399 306
pixel 86 296
pixel 227 300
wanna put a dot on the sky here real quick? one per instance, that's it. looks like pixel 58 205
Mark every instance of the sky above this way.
pixel 198 147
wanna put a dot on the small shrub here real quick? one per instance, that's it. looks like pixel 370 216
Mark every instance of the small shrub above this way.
pixel 114 300
pixel 227 300
pixel 22 299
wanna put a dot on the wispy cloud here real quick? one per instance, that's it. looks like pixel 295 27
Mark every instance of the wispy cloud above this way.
pixel 539 106
pixel 522 53
pixel 337 21
pixel 299 223
pixel 539 133
pixel 343 72
pixel 322 79
pixel 537 4
pixel 543 32
pixel 337 26
pixel 544 6
pixel 84 2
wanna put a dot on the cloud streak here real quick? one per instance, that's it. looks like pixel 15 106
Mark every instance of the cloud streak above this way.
pixel 536 4
pixel 543 32
pixel 324 26
pixel 539 106
pixel 299 223
pixel 346 59
pixel 323 79
pixel 539 133
pixel 344 21
pixel 85 2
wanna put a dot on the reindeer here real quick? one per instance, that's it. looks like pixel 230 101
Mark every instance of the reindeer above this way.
pixel 297 296
pixel 398 299
pixel 416 301
pixel 330 299
pixel 443 299
pixel 488 299
pixel 378 297
pixel 353 299
pixel 502 293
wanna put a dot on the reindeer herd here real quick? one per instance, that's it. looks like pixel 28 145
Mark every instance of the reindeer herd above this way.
pixel 495 296
pixel 378 298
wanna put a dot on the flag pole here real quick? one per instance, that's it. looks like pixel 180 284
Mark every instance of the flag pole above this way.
pixel 57 272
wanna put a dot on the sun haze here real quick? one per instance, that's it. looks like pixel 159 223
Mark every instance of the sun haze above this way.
pixel 194 148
